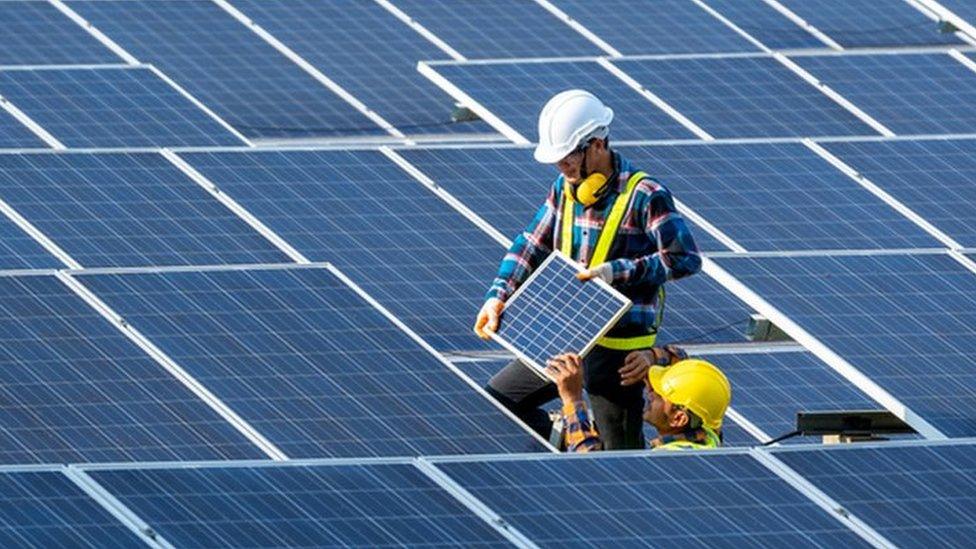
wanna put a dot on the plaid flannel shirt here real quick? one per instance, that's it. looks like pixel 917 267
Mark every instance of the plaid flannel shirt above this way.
pixel 653 245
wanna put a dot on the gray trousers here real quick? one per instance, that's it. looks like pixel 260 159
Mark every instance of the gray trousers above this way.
pixel 616 409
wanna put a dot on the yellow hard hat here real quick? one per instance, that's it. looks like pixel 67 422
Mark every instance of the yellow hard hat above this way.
pixel 695 384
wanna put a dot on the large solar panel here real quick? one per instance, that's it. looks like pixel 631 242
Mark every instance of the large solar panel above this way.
pixel 908 93
pixel 20 251
pixel 310 364
pixel 915 495
pixel 517 91
pixel 15 135
pixel 341 40
pixel 127 210
pixel 111 107
pixel 45 509
pixel 863 23
pixel 655 26
pixel 879 312
pixel 765 24
pixel 744 97
pixel 933 178
pixel 408 249
pixel 769 389
pixel 36 33
pixel 74 388
pixel 553 313
pixel 498 28
pixel 705 500
pixel 779 196
pixel 228 67
pixel 369 505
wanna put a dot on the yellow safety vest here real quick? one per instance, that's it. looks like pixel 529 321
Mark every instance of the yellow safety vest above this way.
pixel 607 235
pixel 712 440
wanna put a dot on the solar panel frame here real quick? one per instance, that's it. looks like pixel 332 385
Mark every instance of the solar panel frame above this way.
pixel 524 301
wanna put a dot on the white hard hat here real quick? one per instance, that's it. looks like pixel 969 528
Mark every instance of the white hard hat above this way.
pixel 569 119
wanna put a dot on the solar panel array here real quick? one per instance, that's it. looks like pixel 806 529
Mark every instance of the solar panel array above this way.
pixel 222 251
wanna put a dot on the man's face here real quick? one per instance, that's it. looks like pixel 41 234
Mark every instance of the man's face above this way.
pixel 657 411
pixel 570 166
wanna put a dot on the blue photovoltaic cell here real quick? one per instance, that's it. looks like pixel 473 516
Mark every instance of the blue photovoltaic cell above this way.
pixel 37 33
pixel 914 495
pixel 370 53
pixel 876 310
pixel 554 313
pixel 700 310
pixel 867 23
pixel 722 500
pixel 379 505
pixel 310 364
pixel 46 509
pixel 74 388
pixel 908 93
pixel 655 26
pixel 407 248
pixel 228 67
pixel 110 210
pixel 744 97
pixel 764 23
pixel 482 29
pixel 14 135
pixel 933 178
pixel 20 251
pixel 769 389
pixel 780 196
pixel 517 91
pixel 111 107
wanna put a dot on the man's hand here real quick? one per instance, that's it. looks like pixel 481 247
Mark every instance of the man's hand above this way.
pixel 488 317
pixel 637 363
pixel 603 271
pixel 567 371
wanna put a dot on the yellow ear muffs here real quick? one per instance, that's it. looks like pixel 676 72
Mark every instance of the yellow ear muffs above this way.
pixel 588 191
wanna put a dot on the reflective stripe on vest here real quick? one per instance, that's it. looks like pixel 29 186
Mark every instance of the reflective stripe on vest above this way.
pixel 711 441
pixel 607 234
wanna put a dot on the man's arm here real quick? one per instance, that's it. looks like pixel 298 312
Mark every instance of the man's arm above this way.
pixel 567 372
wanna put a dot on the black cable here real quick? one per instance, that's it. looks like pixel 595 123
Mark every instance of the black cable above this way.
pixel 783 437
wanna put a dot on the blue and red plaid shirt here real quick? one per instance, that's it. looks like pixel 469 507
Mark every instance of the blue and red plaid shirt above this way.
pixel 653 245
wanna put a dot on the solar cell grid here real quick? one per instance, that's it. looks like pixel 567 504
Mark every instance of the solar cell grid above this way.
pixel 309 363
pixel 20 251
pixel 36 33
pixel 228 67
pixel 553 313
pixel 765 24
pixel 744 97
pixel 929 93
pixel 127 209
pixel 14 135
pixel 111 107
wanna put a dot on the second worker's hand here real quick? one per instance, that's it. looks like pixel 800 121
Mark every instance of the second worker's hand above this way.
pixel 566 371
pixel 603 271
pixel 636 366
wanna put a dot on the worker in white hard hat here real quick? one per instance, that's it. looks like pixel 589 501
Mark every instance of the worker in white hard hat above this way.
pixel 623 227
pixel 685 402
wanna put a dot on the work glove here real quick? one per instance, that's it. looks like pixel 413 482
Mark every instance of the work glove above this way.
pixel 603 271
pixel 488 317
pixel 637 363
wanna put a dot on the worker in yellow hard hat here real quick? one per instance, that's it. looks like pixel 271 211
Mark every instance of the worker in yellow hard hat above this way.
pixel 684 401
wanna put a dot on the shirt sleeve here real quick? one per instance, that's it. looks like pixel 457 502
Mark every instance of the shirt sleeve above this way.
pixel 528 250
pixel 581 434
pixel 677 253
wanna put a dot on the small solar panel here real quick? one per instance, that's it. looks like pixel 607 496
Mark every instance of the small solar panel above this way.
pixel 656 26
pixel 228 67
pixel 761 21
pixel 915 495
pixel 517 91
pixel 125 209
pixel 36 33
pixel 876 311
pixel 75 389
pixel 744 97
pixel 780 196
pixel 482 29
pixel 46 509
pixel 14 135
pixel 407 248
pixel 712 499
pixel 908 93
pixel 871 23
pixel 553 313
pixel 111 107
pixel 370 505
pixel 341 40
pixel 933 178
pixel 309 363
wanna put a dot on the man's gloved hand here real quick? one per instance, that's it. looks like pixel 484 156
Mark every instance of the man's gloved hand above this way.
pixel 567 372
pixel 488 317
pixel 638 363
pixel 603 271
